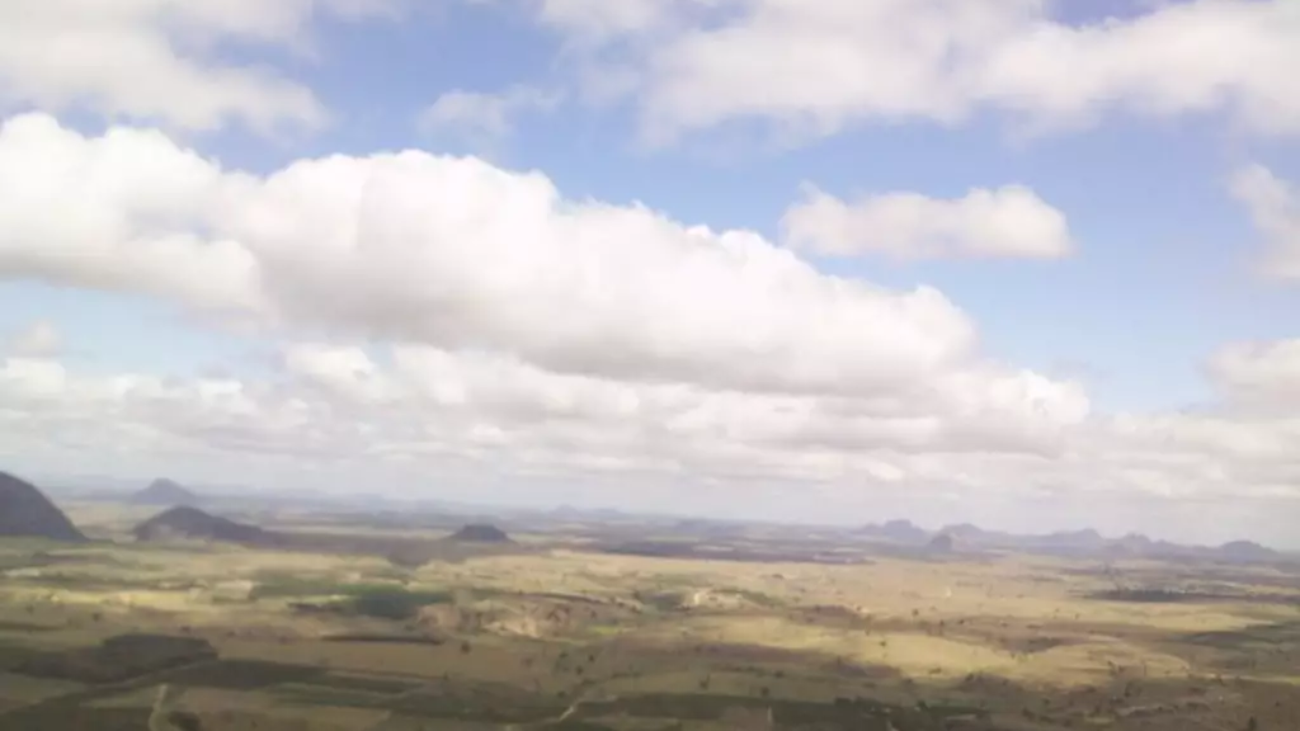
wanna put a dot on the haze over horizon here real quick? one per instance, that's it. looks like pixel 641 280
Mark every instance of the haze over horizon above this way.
pixel 1029 265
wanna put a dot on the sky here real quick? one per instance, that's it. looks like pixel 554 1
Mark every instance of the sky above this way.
pixel 1033 264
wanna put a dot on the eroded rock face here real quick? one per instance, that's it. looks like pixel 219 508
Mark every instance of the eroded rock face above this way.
pixel 26 511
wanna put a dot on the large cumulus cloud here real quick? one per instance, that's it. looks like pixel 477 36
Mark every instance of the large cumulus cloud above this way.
pixel 501 298
pixel 442 316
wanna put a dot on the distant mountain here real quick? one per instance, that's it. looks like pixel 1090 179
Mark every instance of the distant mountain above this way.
pixel 480 533
pixel 708 528
pixel 1078 543
pixel 189 523
pixel 25 511
pixel 897 531
pixel 942 543
pixel 1247 551
pixel 567 512
pixel 973 534
pixel 165 492
pixel 1136 541
pixel 1088 540
pixel 1131 545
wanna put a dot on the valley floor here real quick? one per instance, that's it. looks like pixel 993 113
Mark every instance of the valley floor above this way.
pixel 550 639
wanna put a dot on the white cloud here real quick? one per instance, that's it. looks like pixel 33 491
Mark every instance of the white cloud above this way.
pixel 1259 375
pixel 404 412
pixel 609 326
pixel 447 317
pixel 456 253
pixel 595 21
pixel 816 66
pixel 485 116
pixel 115 215
pixel 1274 208
pixel 335 403
pixel 39 339
pixel 1011 222
pixel 158 59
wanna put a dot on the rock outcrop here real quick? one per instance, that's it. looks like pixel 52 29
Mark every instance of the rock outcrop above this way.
pixel 187 523
pixel 165 492
pixel 25 511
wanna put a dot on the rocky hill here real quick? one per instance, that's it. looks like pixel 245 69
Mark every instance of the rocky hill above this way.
pixel 1246 551
pixel 164 492
pixel 25 511
pixel 897 531
pixel 189 523
pixel 1085 543
pixel 480 533
pixel 941 543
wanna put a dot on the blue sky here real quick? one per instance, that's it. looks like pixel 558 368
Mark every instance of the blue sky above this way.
pixel 1164 272
pixel 1153 291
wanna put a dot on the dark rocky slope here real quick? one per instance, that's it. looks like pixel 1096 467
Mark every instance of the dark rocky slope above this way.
pixel 25 511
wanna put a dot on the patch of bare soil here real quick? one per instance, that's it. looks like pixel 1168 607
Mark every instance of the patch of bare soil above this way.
pixel 527 615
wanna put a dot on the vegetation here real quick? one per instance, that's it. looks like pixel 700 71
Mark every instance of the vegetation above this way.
pixel 565 635
pixel 381 600
pixel 119 658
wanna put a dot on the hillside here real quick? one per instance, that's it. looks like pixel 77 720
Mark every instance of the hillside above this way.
pixel 1077 544
pixel 164 492
pixel 480 533
pixel 188 523
pixel 1246 551
pixel 896 531
pixel 941 543
pixel 25 511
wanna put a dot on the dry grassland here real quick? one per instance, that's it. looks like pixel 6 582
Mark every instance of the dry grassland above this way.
pixel 1016 641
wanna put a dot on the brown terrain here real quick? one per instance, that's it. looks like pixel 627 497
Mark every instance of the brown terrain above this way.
pixel 325 619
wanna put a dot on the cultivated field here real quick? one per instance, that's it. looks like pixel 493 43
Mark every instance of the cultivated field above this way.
pixel 555 635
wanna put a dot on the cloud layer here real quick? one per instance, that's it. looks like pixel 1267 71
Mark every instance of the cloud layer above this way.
pixel 456 253
pixel 1010 222
pixel 39 339
pixel 827 64
pixel 440 310
pixel 155 60
pixel 617 312
pixel 1274 207
pixel 484 117
pixel 439 315
pixel 407 414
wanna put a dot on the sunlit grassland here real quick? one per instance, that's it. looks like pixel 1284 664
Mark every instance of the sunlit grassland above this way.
pixel 573 627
